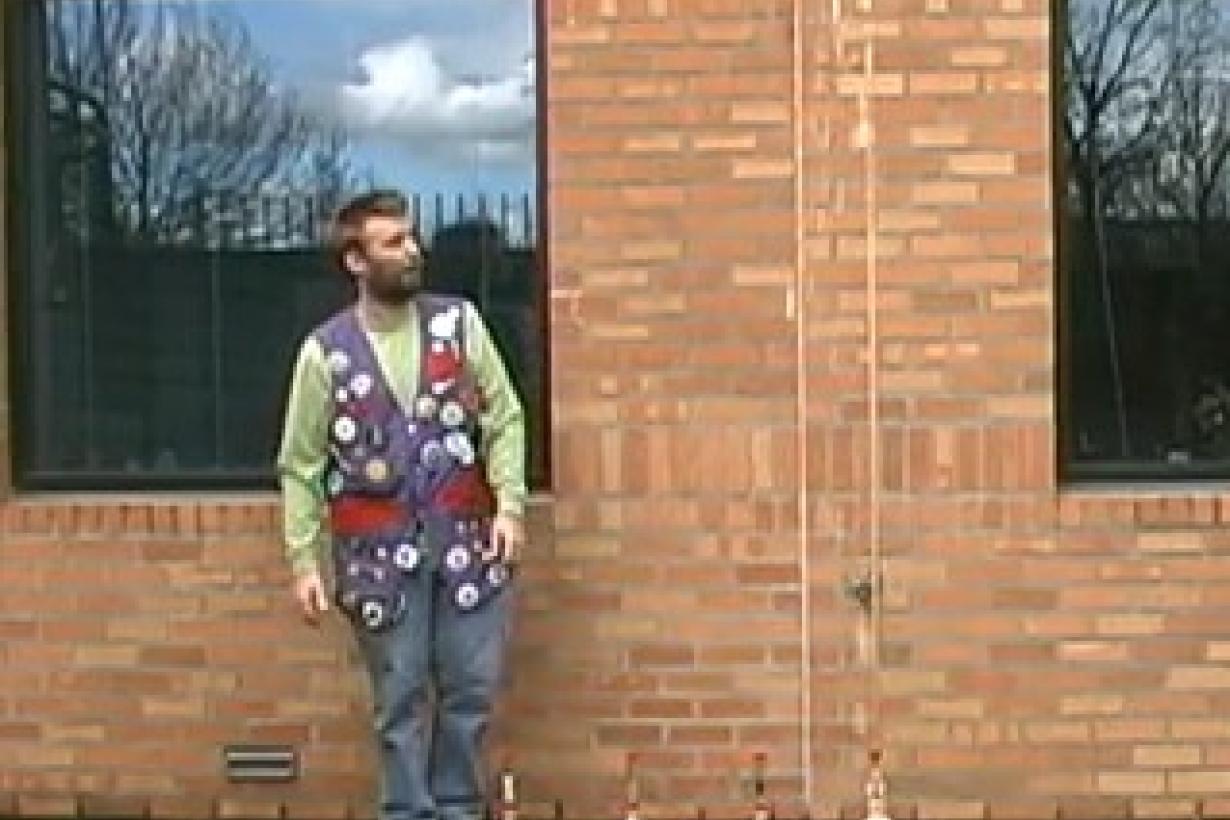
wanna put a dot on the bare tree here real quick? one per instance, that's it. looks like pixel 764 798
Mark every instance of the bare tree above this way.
pixel 1190 189
pixel 1190 171
pixel 1122 61
pixel 196 126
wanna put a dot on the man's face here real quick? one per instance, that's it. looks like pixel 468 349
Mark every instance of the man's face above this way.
pixel 390 264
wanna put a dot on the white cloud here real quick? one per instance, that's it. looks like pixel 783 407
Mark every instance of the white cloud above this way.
pixel 409 98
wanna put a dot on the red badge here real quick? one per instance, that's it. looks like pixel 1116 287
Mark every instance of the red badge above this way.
pixel 442 365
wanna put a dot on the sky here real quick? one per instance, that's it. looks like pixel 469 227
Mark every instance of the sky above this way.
pixel 437 95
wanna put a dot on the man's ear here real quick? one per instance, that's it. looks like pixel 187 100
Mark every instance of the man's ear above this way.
pixel 354 261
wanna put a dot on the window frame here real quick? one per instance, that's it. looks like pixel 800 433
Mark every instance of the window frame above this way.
pixel 1070 472
pixel 19 258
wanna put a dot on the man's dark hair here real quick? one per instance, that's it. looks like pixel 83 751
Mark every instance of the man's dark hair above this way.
pixel 346 233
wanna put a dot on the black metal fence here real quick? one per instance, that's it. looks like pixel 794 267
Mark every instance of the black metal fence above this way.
pixel 1146 323
pixel 167 360
pixel 296 221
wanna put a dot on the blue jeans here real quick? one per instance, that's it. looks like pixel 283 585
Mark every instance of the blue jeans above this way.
pixel 431 762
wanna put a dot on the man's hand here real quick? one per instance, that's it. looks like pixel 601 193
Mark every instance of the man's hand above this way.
pixel 507 537
pixel 310 593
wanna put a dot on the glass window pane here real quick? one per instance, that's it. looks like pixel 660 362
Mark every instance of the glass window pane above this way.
pixel 179 160
pixel 1145 207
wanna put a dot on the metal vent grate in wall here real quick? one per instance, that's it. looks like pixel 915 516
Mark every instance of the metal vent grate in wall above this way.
pixel 260 763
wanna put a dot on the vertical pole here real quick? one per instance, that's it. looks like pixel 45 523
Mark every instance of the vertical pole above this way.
pixel 763 809
pixel 508 794
pixel 876 788
pixel 632 797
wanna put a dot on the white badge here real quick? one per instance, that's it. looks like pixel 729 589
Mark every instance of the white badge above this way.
pixel 361 384
pixel 444 324
pixel 373 613
pixel 457 558
pixel 425 407
pixel 344 429
pixel 467 595
pixel 452 414
pixel 497 574
pixel 406 557
pixel 338 361
pixel 458 445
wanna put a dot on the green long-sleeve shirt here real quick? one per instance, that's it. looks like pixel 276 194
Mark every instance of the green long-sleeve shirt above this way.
pixel 303 455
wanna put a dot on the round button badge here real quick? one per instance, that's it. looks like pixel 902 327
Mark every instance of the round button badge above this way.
pixel 373 614
pixel 457 558
pixel 467 596
pixel 344 429
pixel 497 575
pixel 425 407
pixel 361 384
pixel 376 470
pixel 338 361
pixel 452 414
pixel 406 557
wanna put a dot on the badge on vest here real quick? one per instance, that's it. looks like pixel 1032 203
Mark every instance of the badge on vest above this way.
pixel 404 479
pixel 371 574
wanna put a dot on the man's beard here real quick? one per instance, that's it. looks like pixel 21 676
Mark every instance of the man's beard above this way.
pixel 396 286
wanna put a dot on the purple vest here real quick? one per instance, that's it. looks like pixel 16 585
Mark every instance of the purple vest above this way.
pixel 407 488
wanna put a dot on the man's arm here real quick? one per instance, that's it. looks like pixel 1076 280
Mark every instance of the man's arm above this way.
pixel 502 419
pixel 301 461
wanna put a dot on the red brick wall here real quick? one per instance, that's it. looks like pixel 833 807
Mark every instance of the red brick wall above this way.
pixel 802 332
pixel 673 335
pixel 141 636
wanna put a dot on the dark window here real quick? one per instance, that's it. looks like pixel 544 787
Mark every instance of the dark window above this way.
pixel 1144 227
pixel 173 164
